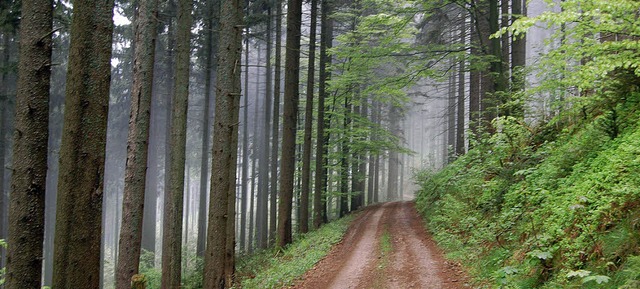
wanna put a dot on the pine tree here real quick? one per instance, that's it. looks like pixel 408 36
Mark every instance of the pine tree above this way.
pixel 219 257
pixel 137 144
pixel 28 182
pixel 82 153
pixel 289 122
pixel 174 193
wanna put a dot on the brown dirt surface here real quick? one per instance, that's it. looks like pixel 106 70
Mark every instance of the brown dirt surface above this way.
pixel 386 246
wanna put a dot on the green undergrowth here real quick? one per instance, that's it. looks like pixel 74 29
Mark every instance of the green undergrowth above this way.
pixel 280 268
pixel 383 251
pixel 551 206
pixel 271 268
pixel 386 247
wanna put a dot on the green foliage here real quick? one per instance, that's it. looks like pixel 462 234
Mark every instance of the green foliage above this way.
pixel 595 42
pixel 545 206
pixel 275 269
pixel 147 268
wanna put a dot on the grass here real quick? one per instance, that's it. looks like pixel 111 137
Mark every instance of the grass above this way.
pixel 385 248
pixel 279 268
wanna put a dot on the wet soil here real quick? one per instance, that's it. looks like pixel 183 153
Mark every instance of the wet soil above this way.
pixel 386 246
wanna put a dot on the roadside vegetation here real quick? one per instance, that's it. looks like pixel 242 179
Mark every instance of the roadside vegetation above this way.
pixel 553 205
pixel 270 268
pixel 552 199
pixel 274 268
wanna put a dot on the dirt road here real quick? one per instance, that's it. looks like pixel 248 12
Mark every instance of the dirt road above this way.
pixel 385 247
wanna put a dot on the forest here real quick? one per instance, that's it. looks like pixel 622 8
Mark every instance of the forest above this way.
pixel 227 143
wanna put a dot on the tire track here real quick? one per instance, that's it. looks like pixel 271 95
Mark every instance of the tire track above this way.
pixel 357 262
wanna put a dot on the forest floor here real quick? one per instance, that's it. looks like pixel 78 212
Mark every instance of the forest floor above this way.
pixel 386 246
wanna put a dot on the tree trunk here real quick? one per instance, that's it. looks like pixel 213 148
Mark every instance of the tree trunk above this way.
pixel 168 100
pixel 356 190
pixel 451 114
pixel 490 80
pixel 308 123
pixel 474 78
pixel 322 137
pixel 211 42
pixel 82 153
pixel 460 127
pixel 218 261
pixel 345 193
pixel 263 177
pixel 371 161
pixel 4 200
pixel 361 162
pixel 174 193
pixel 394 125
pixel 28 183
pixel 276 126
pixel 376 170
pixel 505 42
pixel 518 56
pixel 289 120
pixel 245 144
pixel 137 144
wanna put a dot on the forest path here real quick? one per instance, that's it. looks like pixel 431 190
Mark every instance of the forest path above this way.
pixel 386 246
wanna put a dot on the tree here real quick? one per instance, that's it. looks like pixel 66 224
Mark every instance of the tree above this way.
pixel 290 120
pixel 394 160
pixel 273 205
pixel 518 50
pixel 345 158
pixel 460 125
pixel 245 145
pixel 308 124
pixel 322 137
pixel 137 144
pixel 82 153
pixel 174 193
pixel 211 48
pixel 264 162
pixel 219 258
pixel 28 182
pixel 5 105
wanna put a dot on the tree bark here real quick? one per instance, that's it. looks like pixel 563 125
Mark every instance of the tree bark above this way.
pixel 137 144
pixel 218 261
pixel 376 170
pixel 360 175
pixel 211 42
pixel 394 125
pixel 308 123
pixel 174 193
pixel 460 125
pixel 518 55
pixel 451 114
pixel 28 182
pixel 276 126
pixel 490 79
pixel 289 122
pixel 4 200
pixel 245 144
pixel 82 153
pixel 474 78
pixel 264 162
pixel 322 145
pixel 345 193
